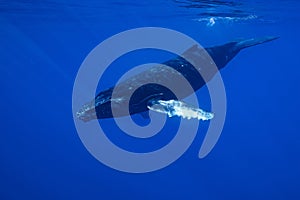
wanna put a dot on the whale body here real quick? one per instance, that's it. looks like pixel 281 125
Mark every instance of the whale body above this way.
pixel 159 98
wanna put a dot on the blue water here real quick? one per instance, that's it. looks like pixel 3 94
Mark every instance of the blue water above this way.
pixel 42 45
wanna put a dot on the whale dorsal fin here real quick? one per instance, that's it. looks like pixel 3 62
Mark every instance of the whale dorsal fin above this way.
pixel 190 50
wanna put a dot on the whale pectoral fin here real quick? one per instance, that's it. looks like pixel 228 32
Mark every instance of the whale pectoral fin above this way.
pixel 179 108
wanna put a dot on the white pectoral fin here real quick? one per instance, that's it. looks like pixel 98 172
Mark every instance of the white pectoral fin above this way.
pixel 179 108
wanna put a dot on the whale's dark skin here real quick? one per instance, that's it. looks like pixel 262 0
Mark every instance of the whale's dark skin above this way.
pixel 100 107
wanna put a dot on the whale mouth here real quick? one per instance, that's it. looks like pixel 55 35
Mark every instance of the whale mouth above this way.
pixel 87 112
pixel 100 103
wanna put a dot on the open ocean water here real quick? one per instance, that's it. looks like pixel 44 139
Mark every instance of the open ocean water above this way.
pixel 42 45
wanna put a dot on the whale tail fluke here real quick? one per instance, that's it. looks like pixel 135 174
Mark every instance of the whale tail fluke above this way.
pixel 254 41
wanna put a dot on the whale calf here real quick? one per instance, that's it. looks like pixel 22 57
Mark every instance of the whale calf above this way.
pixel 156 97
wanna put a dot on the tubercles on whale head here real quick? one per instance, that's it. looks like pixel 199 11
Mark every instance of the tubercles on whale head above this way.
pixel 87 112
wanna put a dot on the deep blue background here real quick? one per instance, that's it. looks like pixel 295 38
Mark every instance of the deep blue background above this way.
pixel 42 46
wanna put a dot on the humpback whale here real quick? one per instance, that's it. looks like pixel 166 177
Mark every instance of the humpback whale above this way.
pixel 156 97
